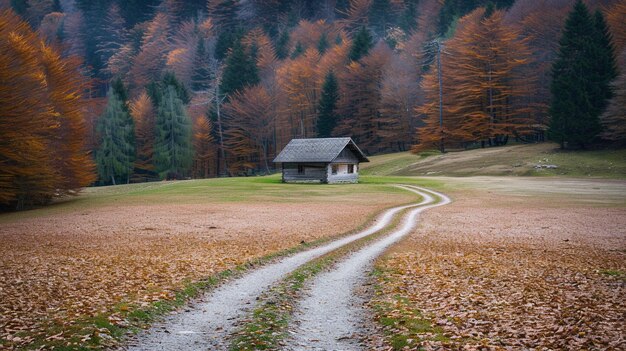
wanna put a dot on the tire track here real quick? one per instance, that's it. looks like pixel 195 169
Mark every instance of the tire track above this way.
pixel 210 322
pixel 331 316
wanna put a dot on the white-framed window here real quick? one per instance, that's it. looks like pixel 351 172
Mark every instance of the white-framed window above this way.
pixel 350 169
pixel 334 169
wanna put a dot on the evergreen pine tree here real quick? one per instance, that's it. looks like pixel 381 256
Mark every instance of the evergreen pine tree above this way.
pixel 574 115
pixel 225 42
pixel 240 70
pixel 201 70
pixel 156 90
pixel 297 51
pixel 20 7
pixel 379 13
pixel 118 88
pixel 322 44
pixel 408 19
pixel 173 150
pixel 327 118
pixel 95 15
pixel 116 154
pixel 362 44
pixel 56 6
pixel 282 45
pixel 137 11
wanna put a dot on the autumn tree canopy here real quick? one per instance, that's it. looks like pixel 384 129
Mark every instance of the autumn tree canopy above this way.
pixel 483 81
pixel 42 131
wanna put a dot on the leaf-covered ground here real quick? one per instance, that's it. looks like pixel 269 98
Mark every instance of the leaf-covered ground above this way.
pixel 59 266
pixel 501 270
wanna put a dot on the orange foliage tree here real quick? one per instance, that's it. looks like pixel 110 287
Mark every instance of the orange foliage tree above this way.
pixel 299 81
pixel 204 148
pixel 540 22
pixel 616 17
pixel 180 59
pixel 251 129
pixel 361 101
pixel 400 94
pixel 144 116
pixel 152 57
pixel 265 53
pixel 356 16
pixel 484 86
pixel 204 144
pixel 42 153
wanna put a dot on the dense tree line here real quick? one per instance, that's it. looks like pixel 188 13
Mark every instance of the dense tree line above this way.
pixel 202 88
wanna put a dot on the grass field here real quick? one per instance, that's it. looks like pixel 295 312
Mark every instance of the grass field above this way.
pixel 516 160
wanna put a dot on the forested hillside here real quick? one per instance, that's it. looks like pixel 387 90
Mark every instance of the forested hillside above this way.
pixel 124 91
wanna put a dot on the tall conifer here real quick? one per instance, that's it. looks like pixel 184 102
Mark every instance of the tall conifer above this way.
pixel 380 15
pixel 581 76
pixel 116 154
pixel 327 118
pixel 240 70
pixel 173 150
pixel 362 44
pixel 201 70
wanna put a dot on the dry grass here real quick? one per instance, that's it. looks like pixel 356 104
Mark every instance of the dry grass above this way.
pixel 501 268
pixel 63 264
pixel 516 160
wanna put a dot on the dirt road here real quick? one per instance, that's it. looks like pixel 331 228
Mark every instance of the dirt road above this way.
pixel 331 316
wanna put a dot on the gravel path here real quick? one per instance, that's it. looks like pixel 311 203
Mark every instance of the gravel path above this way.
pixel 207 324
pixel 332 316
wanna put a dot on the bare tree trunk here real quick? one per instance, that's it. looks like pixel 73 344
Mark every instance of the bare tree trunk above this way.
pixel 265 156
pixel 439 75
pixel 219 127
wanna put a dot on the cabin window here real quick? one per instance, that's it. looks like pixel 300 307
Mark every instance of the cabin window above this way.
pixel 300 169
pixel 350 169
pixel 334 169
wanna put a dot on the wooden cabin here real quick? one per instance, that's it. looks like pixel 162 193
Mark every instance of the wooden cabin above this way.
pixel 321 160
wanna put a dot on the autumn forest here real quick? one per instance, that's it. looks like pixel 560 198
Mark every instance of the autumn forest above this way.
pixel 99 92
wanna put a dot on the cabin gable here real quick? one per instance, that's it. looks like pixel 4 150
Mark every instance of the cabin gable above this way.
pixel 346 156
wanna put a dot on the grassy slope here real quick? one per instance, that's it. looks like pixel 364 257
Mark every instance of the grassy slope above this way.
pixel 517 160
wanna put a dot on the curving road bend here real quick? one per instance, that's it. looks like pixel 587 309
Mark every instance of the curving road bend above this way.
pixel 331 316
pixel 207 325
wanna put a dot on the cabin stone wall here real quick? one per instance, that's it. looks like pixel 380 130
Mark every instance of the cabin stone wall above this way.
pixel 342 175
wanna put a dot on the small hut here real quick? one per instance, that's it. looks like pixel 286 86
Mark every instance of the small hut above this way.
pixel 321 160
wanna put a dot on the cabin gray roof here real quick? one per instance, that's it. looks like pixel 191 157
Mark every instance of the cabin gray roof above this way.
pixel 317 150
